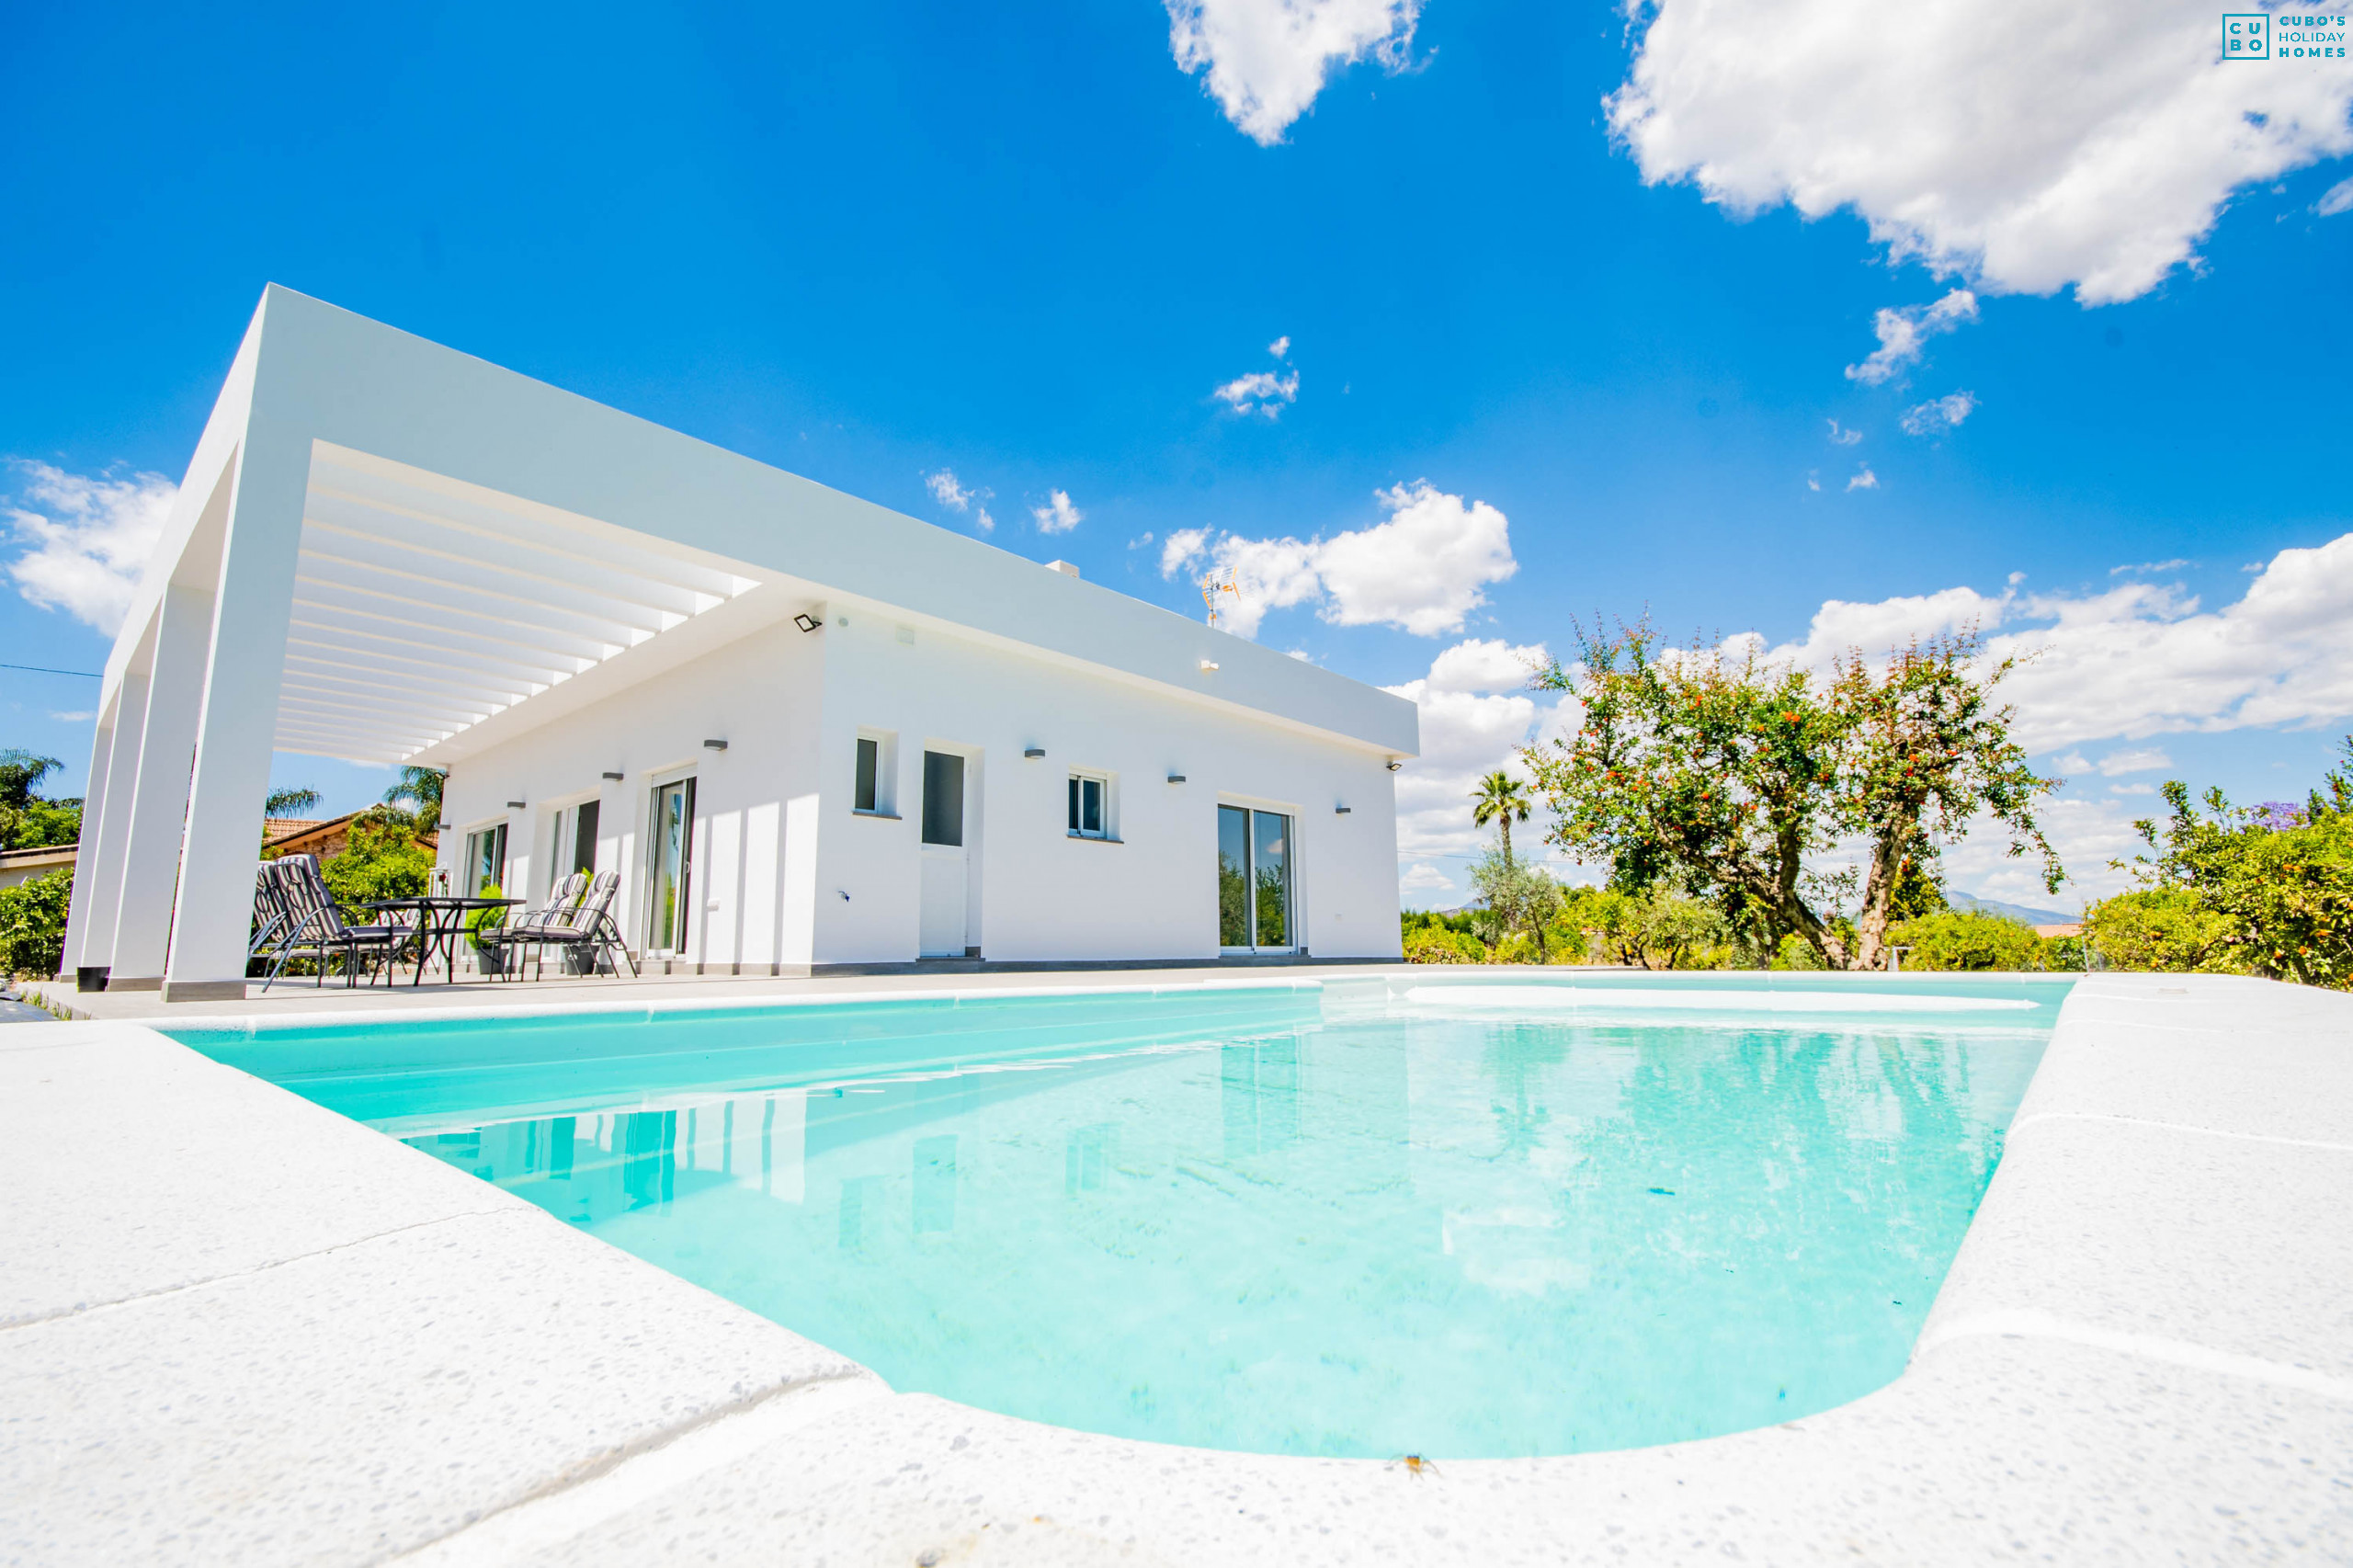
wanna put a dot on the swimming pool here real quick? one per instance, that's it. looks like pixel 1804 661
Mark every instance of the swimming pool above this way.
pixel 1446 1218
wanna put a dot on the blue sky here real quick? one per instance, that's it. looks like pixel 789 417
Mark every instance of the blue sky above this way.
pixel 1027 250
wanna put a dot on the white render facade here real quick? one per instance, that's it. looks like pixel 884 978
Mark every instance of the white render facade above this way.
pixel 888 743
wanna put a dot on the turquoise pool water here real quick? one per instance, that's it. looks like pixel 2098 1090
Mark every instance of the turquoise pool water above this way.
pixel 1446 1219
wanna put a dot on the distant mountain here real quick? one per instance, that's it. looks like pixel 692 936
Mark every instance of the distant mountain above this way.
pixel 2015 911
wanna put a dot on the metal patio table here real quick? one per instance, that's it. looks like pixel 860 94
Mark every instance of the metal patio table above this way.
pixel 440 918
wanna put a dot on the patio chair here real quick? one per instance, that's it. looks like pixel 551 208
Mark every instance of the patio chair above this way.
pixel 586 928
pixel 501 939
pixel 294 910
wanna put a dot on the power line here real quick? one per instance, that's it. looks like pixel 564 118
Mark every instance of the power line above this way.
pixel 45 670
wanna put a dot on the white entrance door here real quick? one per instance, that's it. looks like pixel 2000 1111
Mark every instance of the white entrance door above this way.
pixel 943 932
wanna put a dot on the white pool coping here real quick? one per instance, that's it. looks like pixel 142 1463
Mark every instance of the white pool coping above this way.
pixel 235 1327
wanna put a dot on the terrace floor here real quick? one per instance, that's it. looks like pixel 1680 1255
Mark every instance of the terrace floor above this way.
pixel 235 1327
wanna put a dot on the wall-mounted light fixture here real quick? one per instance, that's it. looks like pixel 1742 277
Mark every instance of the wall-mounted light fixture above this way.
pixel 808 623
pixel 1176 778
pixel 714 746
pixel 1208 666
pixel 1341 810
pixel 514 805
pixel 1033 753
pixel 1394 764
pixel 616 778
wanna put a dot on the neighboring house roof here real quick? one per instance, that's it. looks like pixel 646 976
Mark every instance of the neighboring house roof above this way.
pixel 325 838
pixel 23 865
pixel 276 828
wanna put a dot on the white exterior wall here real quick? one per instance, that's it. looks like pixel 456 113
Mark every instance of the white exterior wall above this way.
pixel 1038 894
pixel 778 843
pixel 759 694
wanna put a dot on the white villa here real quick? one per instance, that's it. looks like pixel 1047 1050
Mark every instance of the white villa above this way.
pixel 808 733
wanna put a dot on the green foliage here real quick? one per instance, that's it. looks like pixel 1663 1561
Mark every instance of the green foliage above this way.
pixel 1519 899
pixel 1659 929
pixel 32 925
pixel 29 821
pixel 291 803
pixel 2163 928
pixel 381 859
pixel 1437 944
pixel 1502 800
pixel 1796 953
pixel 1705 768
pixel 1968 939
pixel 480 920
pixel 419 787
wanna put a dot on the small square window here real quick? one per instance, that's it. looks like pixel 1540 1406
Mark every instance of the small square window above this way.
pixel 1089 813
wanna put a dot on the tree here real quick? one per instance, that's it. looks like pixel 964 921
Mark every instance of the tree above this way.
pixel 289 802
pixel 1969 938
pixel 1657 928
pixel 380 859
pixel 1499 798
pixel 2262 891
pixel 1926 751
pixel 1706 770
pixel 421 789
pixel 1519 897
pixel 29 821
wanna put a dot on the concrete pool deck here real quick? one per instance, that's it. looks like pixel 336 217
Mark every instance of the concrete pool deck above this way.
pixel 235 1327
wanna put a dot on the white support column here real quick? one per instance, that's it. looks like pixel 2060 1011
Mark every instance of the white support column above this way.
pixel 85 853
pixel 237 728
pixel 103 862
pixel 159 808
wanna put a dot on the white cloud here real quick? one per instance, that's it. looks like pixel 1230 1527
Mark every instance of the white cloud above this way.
pixel 1813 480
pixel 1903 335
pixel 2139 760
pixel 982 521
pixel 1423 877
pixel 1058 516
pixel 2137 659
pixel 946 491
pixel 1260 391
pixel 2100 156
pixel 2338 199
pixel 1843 438
pixel 1940 414
pixel 1424 570
pixel 2131 789
pixel 76 718
pixel 1864 479
pixel 88 540
pixel 1279 346
pixel 2176 564
pixel 1267 59
pixel 1476 713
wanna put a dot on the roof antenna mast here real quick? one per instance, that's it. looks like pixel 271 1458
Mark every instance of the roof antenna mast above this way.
pixel 1216 583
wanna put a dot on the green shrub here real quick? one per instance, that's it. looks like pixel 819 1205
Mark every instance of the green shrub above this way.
pixel 1968 939
pixel 1437 944
pixel 32 925
pixel 381 859
pixel 2165 928
pixel 1796 953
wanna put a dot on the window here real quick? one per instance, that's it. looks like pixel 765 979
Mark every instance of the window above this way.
pixel 872 791
pixel 575 842
pixel 1090 807
pixel 1254 876
pixel 870 765
pixel 943 797
pixel 485 864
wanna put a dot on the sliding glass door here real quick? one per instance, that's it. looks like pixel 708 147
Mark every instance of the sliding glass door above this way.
pixel 672 878
pixel 1253 881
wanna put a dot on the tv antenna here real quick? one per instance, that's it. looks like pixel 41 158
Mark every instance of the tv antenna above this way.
pixel 1216 583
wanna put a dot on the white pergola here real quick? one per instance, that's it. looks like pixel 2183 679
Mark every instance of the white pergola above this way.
pixel 390 552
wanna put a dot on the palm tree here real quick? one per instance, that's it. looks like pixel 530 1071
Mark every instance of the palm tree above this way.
pixel 1502 800
pixel 421 786
pixel 289 802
